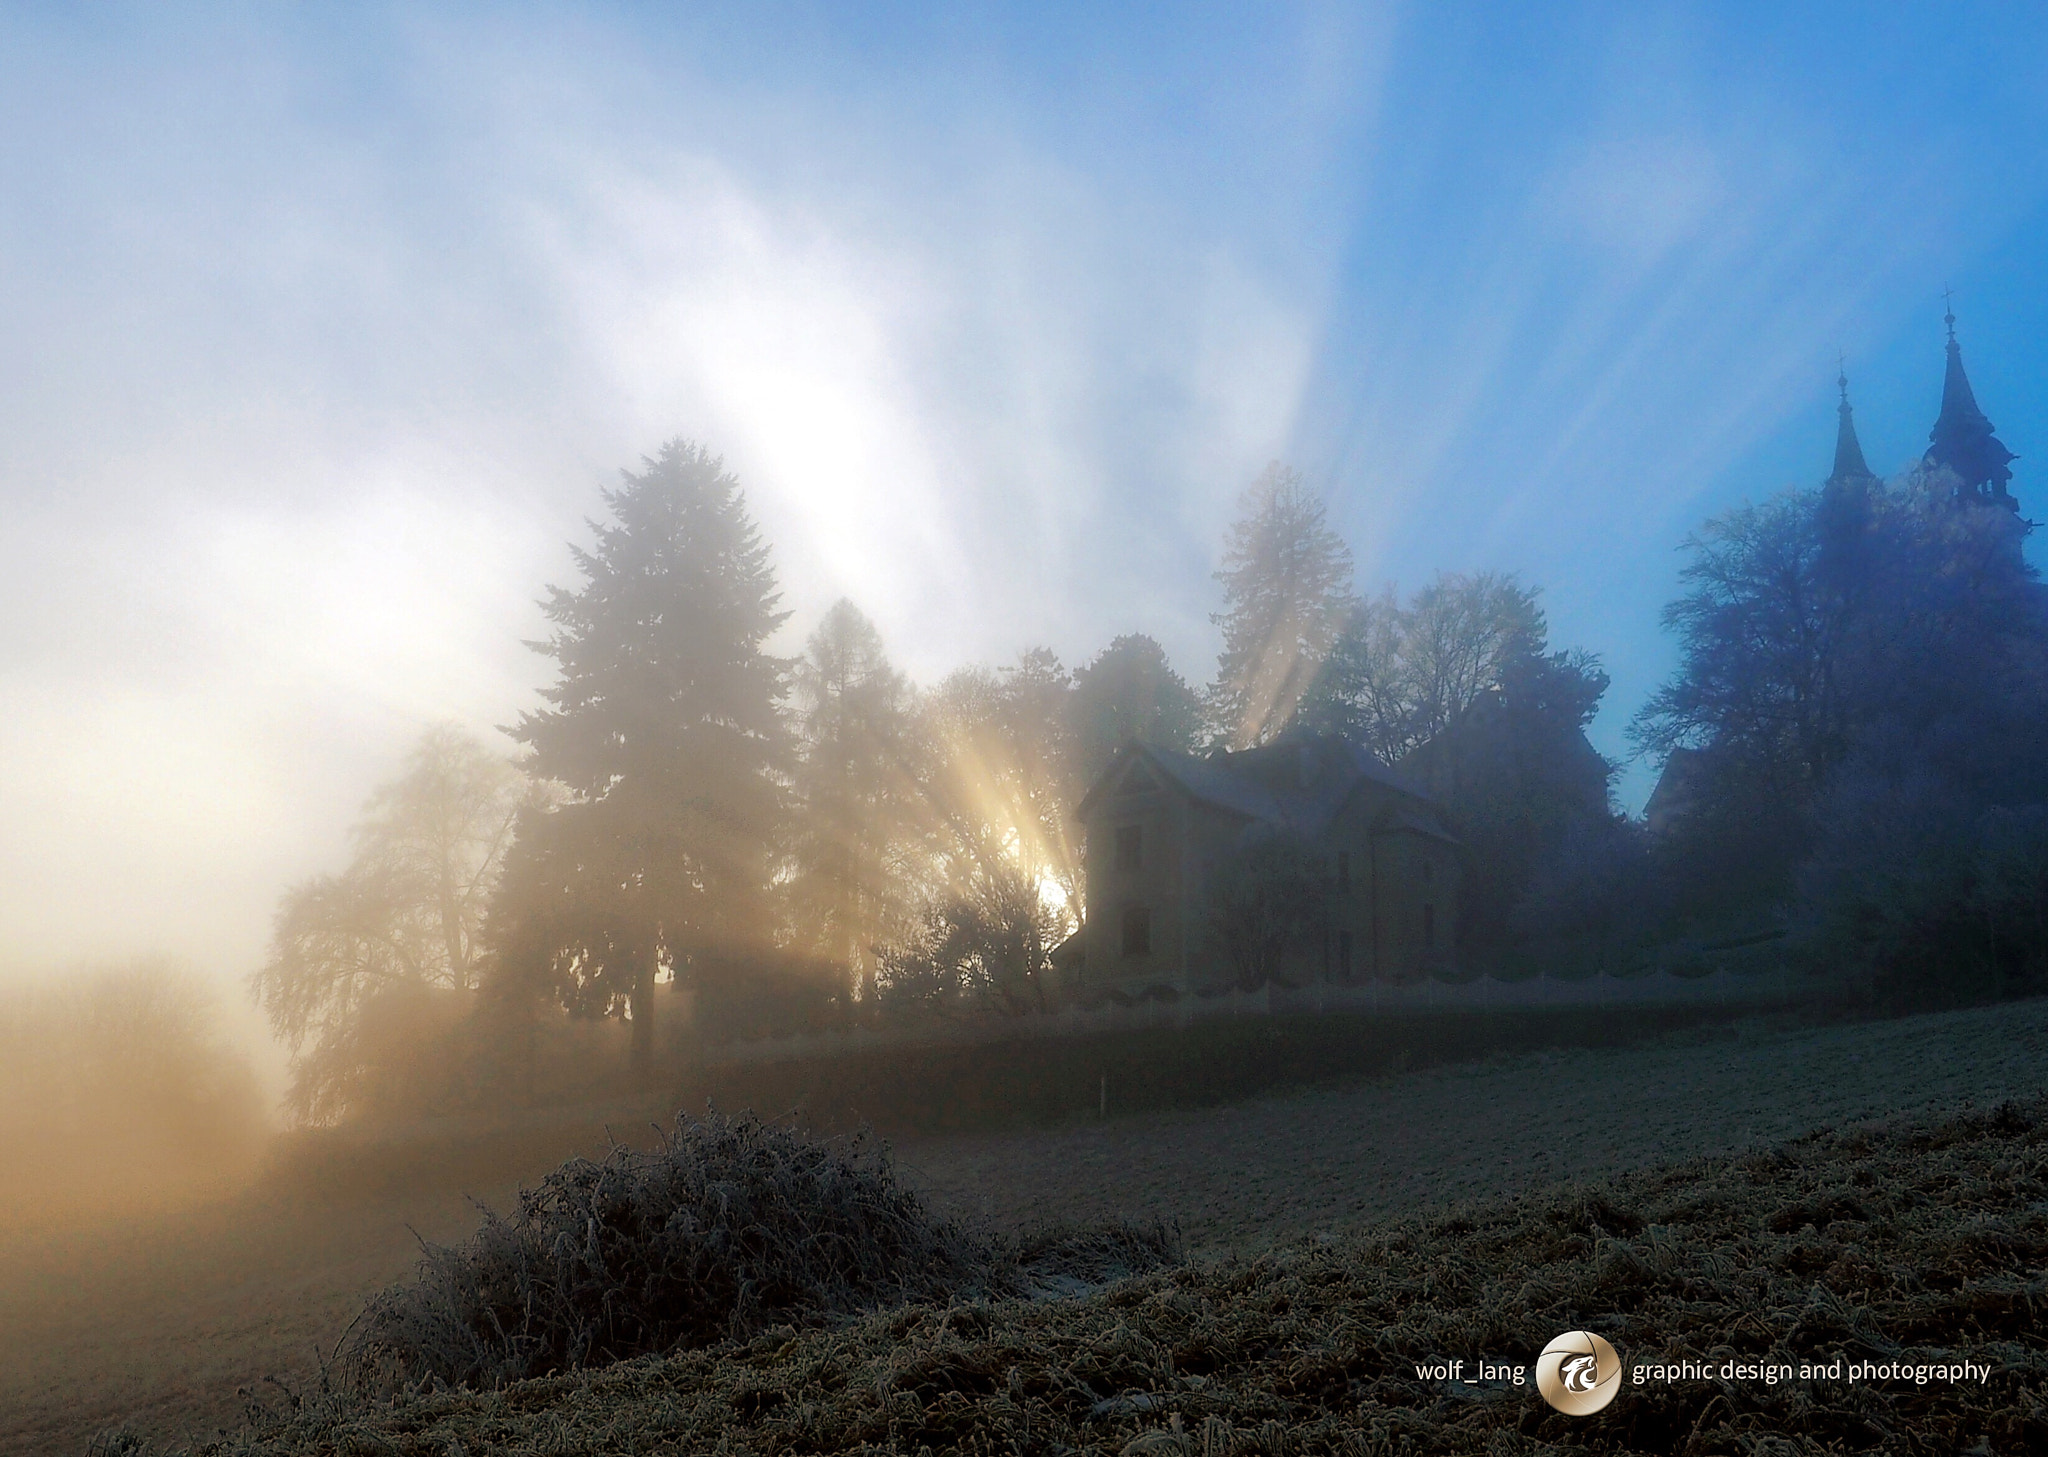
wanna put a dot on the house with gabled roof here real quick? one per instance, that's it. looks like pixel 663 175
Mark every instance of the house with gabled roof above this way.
pixel 1158 825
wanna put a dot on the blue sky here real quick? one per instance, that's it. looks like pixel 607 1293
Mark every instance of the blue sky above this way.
pixel 326 324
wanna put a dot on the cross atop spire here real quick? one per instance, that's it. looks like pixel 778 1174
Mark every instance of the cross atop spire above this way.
pixel 1948 303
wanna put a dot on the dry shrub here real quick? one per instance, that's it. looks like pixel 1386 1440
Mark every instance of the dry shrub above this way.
pixel 1919 1242
pixel 729 1226
pixel 117 1091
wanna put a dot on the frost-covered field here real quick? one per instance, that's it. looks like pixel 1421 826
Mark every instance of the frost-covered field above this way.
pixel 1274 1168
pixel 161 1326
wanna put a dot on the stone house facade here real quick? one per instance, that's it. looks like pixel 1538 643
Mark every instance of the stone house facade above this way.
pixel 1158 825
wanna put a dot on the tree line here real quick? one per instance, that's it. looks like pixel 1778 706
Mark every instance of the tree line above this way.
pixel 785 841
pixel 1862 710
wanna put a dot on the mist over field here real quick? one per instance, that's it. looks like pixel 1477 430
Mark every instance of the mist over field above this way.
pixel 1132 601
pixel 121 1092
pixel 327 334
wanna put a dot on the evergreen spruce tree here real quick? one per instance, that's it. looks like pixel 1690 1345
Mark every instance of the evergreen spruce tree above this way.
pixel 665 727
pixel 1129 693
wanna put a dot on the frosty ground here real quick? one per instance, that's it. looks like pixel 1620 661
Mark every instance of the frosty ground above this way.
pixel 159 1326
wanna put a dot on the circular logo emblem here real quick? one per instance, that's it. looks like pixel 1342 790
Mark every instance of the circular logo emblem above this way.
pixel 1578 1373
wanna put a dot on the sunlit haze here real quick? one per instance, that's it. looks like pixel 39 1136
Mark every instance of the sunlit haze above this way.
pixel 325 327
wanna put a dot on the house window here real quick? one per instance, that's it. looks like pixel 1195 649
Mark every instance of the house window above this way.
pixel 1130 847
pixel 1344 956
pixel 1137 931
pixel 1428 924
pixel 1343 870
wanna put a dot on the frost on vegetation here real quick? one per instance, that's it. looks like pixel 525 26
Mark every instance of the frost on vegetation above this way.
pixel 729 1227
pixel 1913 1242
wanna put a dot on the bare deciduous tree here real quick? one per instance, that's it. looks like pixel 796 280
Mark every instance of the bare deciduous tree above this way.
pixel 403 918
pixel 1002 782
pixel 1399 676
pixel 986 948
pixel 1266 907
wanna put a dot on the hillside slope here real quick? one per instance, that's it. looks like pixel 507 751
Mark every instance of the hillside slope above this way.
pixel 1918 1246
pixel 159 1326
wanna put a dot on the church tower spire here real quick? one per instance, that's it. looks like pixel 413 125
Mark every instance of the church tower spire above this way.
pixel 1845 498
pixel 1849 466
pixel 1962 439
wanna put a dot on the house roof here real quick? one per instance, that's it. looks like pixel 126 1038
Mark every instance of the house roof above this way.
pixel 1677 788
pixel 1214 783
pixel 1409 821
pixel 1300 780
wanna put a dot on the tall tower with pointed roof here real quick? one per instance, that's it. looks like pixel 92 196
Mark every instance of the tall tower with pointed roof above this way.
pixel 1845 496
pixel 1962 439
pixel 1850 470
